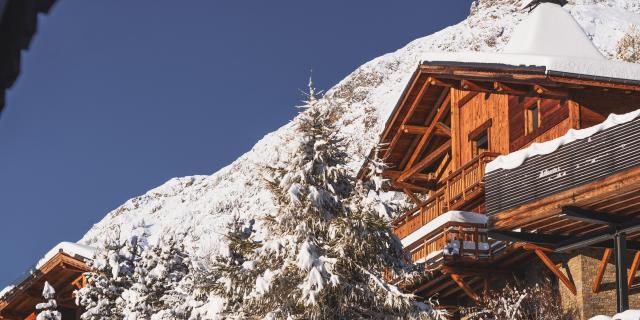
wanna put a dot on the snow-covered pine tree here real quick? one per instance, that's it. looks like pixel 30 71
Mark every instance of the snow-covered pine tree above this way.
pixel 48 310
pixel 159 289
pixel 112 273
pixel 628 48
pixel 230 278
pixel 323 253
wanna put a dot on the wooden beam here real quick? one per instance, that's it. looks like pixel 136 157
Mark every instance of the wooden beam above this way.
pixel 634 268
pixel 592 216
pixel 502 87
pixel 443 82
pixel 447 283
pixel 442 130
pixel 464 100
pixel 413 187
pixel 408 116
pixel 601 269
pixel 487 287
pixel 532 247
pixel 542 90
pixel 474 86
pixel 553 268
pixel 459 280
pixel 429 159
pixel 430 283
pixel 528 237
pixel 413 129
pixel 412 196
pixel 442 110
pixel 394 174
pixel 474 271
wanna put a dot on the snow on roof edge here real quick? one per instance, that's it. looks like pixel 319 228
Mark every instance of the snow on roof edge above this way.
pixel 70 248
pixel 449 216
pixel 517 158
pixel 583 68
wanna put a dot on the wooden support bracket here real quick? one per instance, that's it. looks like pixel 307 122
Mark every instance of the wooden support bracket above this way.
pixel 464 286
pixel 634 267
pixel 412 196
pixel 553 268
pixel 428 160
pixel 601 269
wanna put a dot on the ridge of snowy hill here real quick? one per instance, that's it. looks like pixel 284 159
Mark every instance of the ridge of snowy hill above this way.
pixel 203 204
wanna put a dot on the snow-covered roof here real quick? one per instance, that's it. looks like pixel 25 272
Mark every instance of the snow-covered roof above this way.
pixel 549 40
pixel 551 31
pixel 515 159
pixel 70 248
pixel 449 216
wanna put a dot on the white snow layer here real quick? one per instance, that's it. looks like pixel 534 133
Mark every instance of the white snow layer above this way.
pixel 517 158
pixel 203 205
pixel 70 248
pixel 552 31
pixel 627 315
pixel 437 223
pixel 6 290
pixel 552 39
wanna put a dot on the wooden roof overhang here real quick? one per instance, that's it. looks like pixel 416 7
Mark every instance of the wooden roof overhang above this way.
pixel 467 279
pixel 585 194
pixel 62 271
pixel 416 136
pixel 598 174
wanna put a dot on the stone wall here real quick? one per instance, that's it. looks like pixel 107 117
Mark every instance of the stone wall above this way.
pixel 582 267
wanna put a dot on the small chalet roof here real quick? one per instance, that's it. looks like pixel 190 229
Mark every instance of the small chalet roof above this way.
pixel 548 41
pixel 71 249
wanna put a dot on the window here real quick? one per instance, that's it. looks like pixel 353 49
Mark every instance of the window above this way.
pixel 480 138
pixel 480 144
pixel 532 118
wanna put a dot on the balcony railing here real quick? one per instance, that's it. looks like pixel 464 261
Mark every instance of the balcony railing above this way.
pixel 456 240
pixel 461 186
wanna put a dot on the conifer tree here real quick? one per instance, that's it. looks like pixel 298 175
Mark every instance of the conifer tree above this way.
pixel 628 48
pixel 112 271
pixel 48 310
pixel 326 246
pixel 230 280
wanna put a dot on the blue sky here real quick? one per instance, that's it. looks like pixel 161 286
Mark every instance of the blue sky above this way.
pixel 116 97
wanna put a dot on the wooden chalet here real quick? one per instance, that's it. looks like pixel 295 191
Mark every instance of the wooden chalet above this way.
pixel 63 267
pixel 461 111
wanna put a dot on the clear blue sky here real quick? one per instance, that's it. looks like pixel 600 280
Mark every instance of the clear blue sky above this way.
pixel 116 97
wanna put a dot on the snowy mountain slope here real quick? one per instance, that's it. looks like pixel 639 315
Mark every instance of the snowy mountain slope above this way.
pixel 203 204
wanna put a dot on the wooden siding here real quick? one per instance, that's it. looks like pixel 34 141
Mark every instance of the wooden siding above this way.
pixel 552 124
pixel 472 115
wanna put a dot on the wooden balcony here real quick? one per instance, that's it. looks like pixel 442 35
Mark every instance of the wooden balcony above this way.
pixel 454 241
pixel 461 187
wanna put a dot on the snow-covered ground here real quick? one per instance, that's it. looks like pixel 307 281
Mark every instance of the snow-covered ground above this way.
pixel 202 205
pixel 627 315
